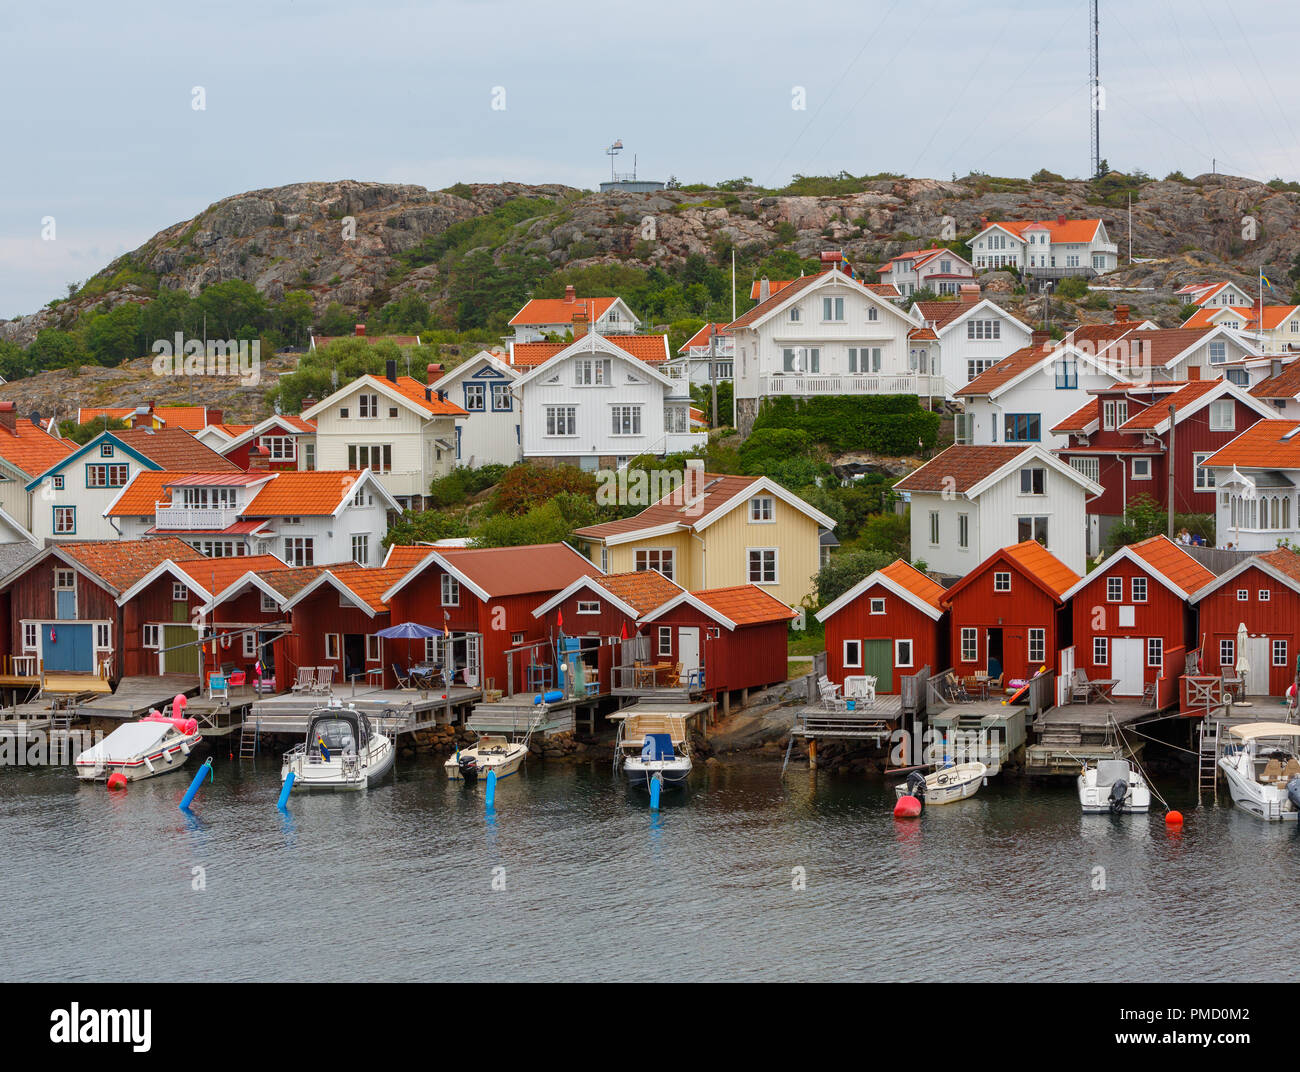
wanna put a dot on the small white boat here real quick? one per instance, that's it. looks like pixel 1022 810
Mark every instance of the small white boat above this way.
pixel 341 751
pixel 951 782
pixel 490 752
pixel 1264 779
pixel 155 745
pixel 1115 786
pixel 653 744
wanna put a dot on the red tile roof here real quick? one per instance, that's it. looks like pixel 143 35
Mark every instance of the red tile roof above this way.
pixel 1081 419
pixel 913 580
pixel 943 313
pixel 31 448
pixel 1173 563
pixel 959 468
pixel 215 575
pixel 683 506
pixel 1158 411
pixel 1004 371
pixel 1286 384
pixel 560 310
pixel 1264 445
pixel 642 590
pixel 120 563
pixel 175 449
pixel 510 571
pixel 1285 561
pixel 745 604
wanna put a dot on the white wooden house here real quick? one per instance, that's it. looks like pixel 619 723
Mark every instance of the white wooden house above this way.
pixel 938 270
pixel 490 432
pixel 974 334
pixel 540 317
pixel 1045 249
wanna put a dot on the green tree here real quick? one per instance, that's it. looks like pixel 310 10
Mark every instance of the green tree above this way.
pixel 845 569
pixel 114 336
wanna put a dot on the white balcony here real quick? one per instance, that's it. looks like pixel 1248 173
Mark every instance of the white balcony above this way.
pixel 803 385
pixel 194 518
pixel 678 442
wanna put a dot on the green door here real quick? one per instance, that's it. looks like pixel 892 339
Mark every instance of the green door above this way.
pixel 878 661
pixel 176 659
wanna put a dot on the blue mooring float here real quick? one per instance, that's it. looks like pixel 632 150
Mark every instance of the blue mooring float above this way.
pixel 285 791
pixel 548 697
pixel 656 787
pixel 489 800
pixel 205 771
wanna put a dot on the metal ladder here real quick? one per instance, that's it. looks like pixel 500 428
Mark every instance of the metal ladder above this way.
pixel 249 742
pixel 1208 761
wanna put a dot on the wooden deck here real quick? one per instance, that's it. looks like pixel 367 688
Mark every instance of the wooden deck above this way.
pixel 287 712
pixel 869 720
pixel 1070 733
pixel 134 697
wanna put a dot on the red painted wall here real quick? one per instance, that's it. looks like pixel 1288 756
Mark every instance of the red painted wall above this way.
pixel 901 620
pixel 319 614
pixel 1277 618
pixel 1026 606
pixel 747 657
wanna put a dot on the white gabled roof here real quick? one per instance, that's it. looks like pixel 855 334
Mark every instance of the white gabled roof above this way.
pixel 889 584
pixel 483 357
pixel 690 601
pixel 1038 453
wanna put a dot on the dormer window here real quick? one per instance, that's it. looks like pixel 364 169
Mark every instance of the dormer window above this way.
pixel 794 313
pixel 367 405
pixel 106 450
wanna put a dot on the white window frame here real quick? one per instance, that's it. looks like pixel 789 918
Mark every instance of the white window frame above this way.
pixel 449 590
pixel 1002 581
pixel 1101 651
pixel 332 647
pixel 374 652
pixel 665 557
pixel 1227 648
pixel 1156 652
pixel 665 645
pixel 763 553
pixel 1114 589
pixel 899 659
pixel 1134 588
pixel 762 510
pixel 1037 639
pixel 1146 475
pixel 250 645
pixel 873 603
pixel 588 606
pixel 1218 408
pixel 31 636
pixel 1264 595
pixel 852 662
pixel 151 635
pixel 970 643
pixel 1280 646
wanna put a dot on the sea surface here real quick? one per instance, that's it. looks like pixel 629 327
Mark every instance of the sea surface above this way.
pixel 746 875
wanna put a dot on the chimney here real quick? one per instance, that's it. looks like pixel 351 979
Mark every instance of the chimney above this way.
pixel 1121 314
pixel 390 370
pixel 258 459
pixel 307 404
pixel 360 330
pixel 1275 367
pixel 570 295
pixel 1060 221
pixel 433 373
pixel 764 289
pixel 984 222
pixel 832 258
pixel 1041 338
pixel 580 323
pixel 970 292
pixel 9 417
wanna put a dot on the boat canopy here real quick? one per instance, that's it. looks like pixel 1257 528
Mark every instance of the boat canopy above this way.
pixel 1252 730
pixel 128 741
pixel 637 727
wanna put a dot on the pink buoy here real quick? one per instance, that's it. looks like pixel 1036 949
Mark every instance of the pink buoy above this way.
pixel 908 807
pixel 117 780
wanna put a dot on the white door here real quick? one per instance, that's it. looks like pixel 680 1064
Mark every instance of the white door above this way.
pixel 1259 653
pixel 1128 657
pixel 688 650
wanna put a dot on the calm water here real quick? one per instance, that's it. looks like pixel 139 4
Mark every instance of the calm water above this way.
pixel 397 883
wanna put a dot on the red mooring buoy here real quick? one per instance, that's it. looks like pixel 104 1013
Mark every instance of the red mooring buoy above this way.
pixel 117 780
pixel 1174 818
pixel 907 808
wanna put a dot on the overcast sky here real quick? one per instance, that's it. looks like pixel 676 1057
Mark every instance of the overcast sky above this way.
pixel 100 132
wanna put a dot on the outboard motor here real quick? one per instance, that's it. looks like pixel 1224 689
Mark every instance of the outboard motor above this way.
pixel 469 768
pixel 1293 791
pixel 1118 794
pixel 916 786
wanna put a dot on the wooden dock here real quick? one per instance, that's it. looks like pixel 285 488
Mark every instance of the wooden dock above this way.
pixel 1070 733
pixel 515 715
pixel 869 720
pixel 287 712
pixel 983 731
pixel 134 697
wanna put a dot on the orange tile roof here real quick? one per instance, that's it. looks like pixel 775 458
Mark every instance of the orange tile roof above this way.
pixel 189 418
pixel 175 449
pixel 369 583
pixel 293 493
pixel 149 487
pixel 642 590
pixel 290 580
pixel 701 337
pixel 710 491
pixel 1264 445
pixel 1273 318
pixel 1286 384
pixel 651 349
pixel 32 449
pixel 1069 231
pixel 510 571
pixel 217 574
pixel 1172 562
pixel 560 310
pixel 1080 420
pixel 959 468
pixel 407 556
pixel 1004 371
pixel 413 389
pixel 120 563
pixel 1039 564
pixel 913 580
pixel 924 334
pixel 884 290
pixel 745 604
pixel 1159 411
pixel 1284 560
pixel 775 298
pixel 943 313
pixel 773 285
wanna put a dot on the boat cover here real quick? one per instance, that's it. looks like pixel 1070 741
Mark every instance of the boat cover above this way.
pixel 127 742
pixel 1110 771
pixel 1250 731
pixel 657 746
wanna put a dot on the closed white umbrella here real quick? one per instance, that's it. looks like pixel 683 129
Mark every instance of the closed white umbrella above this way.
pixel 1243 663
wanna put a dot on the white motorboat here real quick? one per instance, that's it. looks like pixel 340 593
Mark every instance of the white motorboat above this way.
pixel 1263 771
pixel 653 744
pixel 1115 786
pixel 157 744
pixel 490 752
pixel 340 751
pixel 950 782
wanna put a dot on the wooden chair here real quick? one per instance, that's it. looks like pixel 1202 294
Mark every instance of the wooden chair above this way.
pixel 324 679
pixel 305 681
pixel 403 680
pixel 1079 688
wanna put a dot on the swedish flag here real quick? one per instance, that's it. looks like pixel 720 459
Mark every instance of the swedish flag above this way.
pixel 324 752
pixel 1264 279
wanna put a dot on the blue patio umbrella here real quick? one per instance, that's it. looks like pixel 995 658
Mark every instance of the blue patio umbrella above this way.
pixel 408 631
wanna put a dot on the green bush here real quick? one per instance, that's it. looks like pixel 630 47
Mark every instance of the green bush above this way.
pixel 846 569
pixel 885 424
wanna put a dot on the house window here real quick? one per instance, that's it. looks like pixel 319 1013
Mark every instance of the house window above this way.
pixel 627 420
pixel 934 528
pixel 1227 650
pixel 762 565
pixel 1067 374
pixel 833 309
pixel 591 372
pixel 149 636
pixel 604 559
pixel 1021 428
pixel 1155 651
pixel 1141 468
pixel 1032 528
pixel 665 640
pixel 963 531
pixel 179 592
pixel 794 313
pixel 309 456
pixel 57 481
pixel 106 450
pixel 852 653
pixel 299 550
pixel 863 359
pixel 1243 595
pixel 588 607
pixel 361 549
pixel 65 580
pixel 65 520
pixel 29 635
pixel 501 401
pixel 373 654
pixel 1223 415
pixel 376 457
pixel 1219 350
pixel 280 448
pixel 269 604
pixel 1100 651
pixel 475 398
pixel 106 476
pixel 1002 582
pixel 1279 653
pixel 762 508
pixel 902 653
pixel 1264 595
pixel 877 605
pixel 1139 586
pixel 1033 481
pixel 983 329
pixel 660 559
pixel 1114 589
pixel 1114 412
pixel 561 420
pixel 367 405
pixel 450 591
pixel 250 645
pixel 976 366
pixel 1204 477
pixel 969 646
pixel 331 645
pixel 1037 645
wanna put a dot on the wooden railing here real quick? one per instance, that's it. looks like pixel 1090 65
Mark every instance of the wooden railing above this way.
pixel 1201 693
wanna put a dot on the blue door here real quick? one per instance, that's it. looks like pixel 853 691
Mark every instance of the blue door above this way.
pixel 68 648
pixel 65 604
